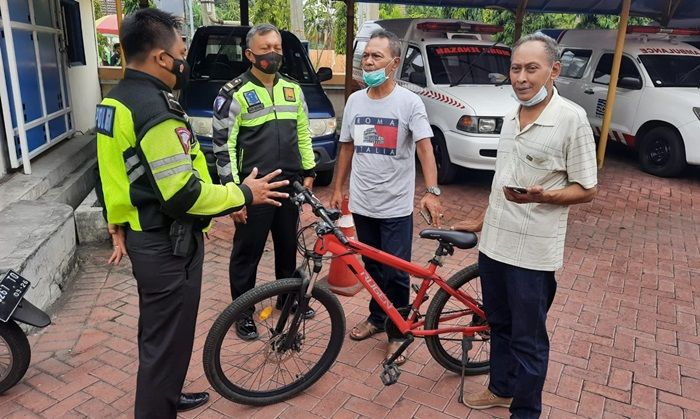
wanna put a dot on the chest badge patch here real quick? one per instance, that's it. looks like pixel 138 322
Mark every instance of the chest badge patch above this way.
pixel 289 95
pixel 251 98
pixel 185 137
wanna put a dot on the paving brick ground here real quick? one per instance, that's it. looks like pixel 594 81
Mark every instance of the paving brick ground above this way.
pixel 624 324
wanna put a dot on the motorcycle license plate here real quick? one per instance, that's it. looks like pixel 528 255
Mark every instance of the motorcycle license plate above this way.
pixel 12 289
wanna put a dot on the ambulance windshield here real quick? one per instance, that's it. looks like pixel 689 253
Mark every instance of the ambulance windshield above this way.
pixel 675 70
pixel 468 64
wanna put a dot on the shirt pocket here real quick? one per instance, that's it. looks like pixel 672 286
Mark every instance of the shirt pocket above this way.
pixel 531 167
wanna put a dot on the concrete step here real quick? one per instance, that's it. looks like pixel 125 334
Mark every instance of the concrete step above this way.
pixel 49 170
pixel 75 186
pixel 38 241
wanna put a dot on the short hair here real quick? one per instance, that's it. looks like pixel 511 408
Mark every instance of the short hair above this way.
pixel 550 45
pixel 394 41
pixel 145 30
pixel 260 29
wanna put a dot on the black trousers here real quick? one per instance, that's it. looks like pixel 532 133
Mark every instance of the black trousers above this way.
pixel 249 244
pixel 169 289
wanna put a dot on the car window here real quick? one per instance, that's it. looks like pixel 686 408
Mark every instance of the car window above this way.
pixel 222 58
pixel 468 64
pixel 413 64
pixel 357 55
pixel 574 62
pixel 602 72
pixel 673 70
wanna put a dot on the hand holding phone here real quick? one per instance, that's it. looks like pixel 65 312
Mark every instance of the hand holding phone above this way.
pixel 426 216
pixel 517 189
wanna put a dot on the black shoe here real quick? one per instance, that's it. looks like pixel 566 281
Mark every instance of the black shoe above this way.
pixel 246 329
pixel 189 401
pixel 310 312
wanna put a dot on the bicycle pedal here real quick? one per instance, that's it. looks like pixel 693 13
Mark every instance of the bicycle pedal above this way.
pixel 390 375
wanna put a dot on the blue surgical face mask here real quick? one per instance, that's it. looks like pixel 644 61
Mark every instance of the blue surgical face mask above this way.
pixel 538 98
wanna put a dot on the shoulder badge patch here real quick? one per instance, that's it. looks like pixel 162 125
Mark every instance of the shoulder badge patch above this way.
pixel 289 94
pixel 219 103
pixel 104 119
pixel 185 137
pixel 172 102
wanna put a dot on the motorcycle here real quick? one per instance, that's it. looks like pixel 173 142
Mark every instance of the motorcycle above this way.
pixel 15 352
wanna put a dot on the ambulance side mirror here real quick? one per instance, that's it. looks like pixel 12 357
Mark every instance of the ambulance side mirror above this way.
pixel 632 83
pixel 324 73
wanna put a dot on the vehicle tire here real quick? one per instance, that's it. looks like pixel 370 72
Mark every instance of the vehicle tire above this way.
pixel 662 152
pixel 15 355
pixel 323 178
pixel 445 169
pixel 446 348
pixel 234 366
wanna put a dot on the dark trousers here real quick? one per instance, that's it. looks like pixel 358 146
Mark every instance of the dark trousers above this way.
pixel 249 244
pixel 169 288
pixel 393 236
pixel 516 301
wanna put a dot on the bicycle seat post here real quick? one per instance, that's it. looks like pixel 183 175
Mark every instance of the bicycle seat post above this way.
pixel 443 249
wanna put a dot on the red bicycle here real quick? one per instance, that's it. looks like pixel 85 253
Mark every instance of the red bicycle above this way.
pixel 292 352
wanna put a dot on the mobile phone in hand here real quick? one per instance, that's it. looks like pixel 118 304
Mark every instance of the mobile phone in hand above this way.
pixel 427 217
pixel 517 189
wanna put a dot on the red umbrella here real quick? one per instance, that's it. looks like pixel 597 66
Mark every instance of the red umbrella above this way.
pixel 107 25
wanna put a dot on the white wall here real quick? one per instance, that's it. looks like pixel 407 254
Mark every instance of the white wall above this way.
pixel 83 82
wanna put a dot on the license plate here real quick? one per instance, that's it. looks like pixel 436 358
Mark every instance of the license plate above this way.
pixel 12 289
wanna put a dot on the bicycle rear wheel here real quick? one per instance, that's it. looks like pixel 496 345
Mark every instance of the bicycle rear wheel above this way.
pixel 446 311
pixel 258 372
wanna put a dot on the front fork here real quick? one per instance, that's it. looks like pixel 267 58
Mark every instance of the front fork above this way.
pixel 303 298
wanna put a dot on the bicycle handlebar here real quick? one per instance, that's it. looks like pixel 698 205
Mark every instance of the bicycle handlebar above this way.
pixel 318 209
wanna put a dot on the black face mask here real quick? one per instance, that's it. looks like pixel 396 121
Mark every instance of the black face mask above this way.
pixel 268 63
pixel 181 70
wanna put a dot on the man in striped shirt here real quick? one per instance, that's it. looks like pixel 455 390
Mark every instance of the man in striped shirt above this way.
pixel 546 162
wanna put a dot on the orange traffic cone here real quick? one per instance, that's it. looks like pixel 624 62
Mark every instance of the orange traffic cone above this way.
pixel 341 280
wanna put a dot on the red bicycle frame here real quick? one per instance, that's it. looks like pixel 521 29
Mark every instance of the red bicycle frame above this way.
pixel 329 243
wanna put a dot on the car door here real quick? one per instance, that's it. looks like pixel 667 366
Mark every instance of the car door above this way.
pixel 594 92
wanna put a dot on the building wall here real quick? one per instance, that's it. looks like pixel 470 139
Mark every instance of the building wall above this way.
pixel 83 82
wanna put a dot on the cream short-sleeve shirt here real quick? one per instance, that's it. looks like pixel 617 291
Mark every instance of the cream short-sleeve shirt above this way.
pixel 554 151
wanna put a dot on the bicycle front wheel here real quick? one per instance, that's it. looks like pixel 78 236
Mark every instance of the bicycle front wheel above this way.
pixel 275 366
pixel 447 311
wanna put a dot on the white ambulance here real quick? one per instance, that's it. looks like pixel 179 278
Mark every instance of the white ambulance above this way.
pixel 657 107
pixel 460 73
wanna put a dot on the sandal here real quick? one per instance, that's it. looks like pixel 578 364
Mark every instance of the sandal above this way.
pixel 363 330
pixel 392 347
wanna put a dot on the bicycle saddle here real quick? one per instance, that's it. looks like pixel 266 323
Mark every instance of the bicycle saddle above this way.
pixel 459 239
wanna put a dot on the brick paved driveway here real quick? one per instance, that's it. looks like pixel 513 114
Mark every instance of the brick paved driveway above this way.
pixel 623 326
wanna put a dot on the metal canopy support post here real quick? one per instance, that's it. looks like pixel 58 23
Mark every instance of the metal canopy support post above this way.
pixel 519 16
pixel 119 29
pixel 349 36
pixel 245 19
pixel 612 87
pixel 16 92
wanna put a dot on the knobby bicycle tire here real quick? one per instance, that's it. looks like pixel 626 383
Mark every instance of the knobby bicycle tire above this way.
pixel 450 358
pixel 262 298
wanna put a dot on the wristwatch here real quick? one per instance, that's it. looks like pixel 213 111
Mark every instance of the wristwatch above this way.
pixel 433 190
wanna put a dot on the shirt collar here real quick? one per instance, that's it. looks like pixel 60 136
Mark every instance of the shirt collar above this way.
pixel 257 82
pixel 549 115
pixel 133 74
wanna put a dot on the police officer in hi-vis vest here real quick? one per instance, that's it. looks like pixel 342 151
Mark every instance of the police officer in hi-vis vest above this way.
pixel 159 198
pixel 260 120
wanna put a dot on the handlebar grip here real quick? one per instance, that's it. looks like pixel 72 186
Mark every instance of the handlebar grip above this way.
pixel 298 187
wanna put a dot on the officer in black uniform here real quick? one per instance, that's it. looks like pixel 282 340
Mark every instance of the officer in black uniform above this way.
pixel 260 120
pixel 158 198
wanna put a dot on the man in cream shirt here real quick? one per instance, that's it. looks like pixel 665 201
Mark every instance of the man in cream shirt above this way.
pixel 546 162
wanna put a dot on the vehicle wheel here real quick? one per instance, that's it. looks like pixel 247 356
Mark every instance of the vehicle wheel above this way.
pixel 446 311
pixel 323 178
pixel 445 169
pixel 662 153
pixel 256 372
pixel 14 355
